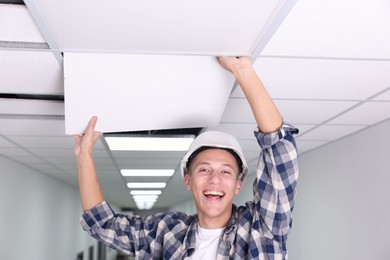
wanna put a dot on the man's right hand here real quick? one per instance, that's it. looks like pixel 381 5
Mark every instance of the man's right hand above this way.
pixel 84 142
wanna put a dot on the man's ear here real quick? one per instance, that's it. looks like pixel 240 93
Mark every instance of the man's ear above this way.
pixel 187 181
pixel 238 188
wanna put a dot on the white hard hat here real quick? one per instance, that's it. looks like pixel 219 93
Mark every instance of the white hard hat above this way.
pixel 218 140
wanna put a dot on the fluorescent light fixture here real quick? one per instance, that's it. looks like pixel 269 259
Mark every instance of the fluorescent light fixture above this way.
pixel 145 192
pixel 146 185
pixel 122 143
pixel 144 205
pixel 145 197
pixel 147 172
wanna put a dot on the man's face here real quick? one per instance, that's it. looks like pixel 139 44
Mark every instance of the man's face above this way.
pixel 212 178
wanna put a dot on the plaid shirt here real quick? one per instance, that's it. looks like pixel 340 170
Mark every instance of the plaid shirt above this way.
pixel 257 230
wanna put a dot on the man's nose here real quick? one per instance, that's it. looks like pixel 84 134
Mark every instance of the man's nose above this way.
pixel 215 177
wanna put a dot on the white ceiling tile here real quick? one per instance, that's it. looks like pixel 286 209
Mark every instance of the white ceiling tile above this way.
pixel 249 145
pixel 192 28
pixel 369 113
pixel 305 146
pixel 30 72
pixel 293 111
pixel 237 130
pixel 31 127
pixel 383 97
pixel 311 112
pixel 322 79
pixel 101 85
pixel 14 152
pixel 44 152
pixel 4 142
pixel 303 128
pixel 20 26
pixel 28 160
pixel 31 107
pixel 43 142
pixel 238 111
pixel 333 28
pixel 330 132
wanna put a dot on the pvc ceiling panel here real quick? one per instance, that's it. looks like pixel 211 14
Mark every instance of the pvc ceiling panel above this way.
pixel 5 143
pixel 31 107
pixel 31 127
pixel 219 27
pixel 322 79
pixel 330 132
pixel 17 25
pixel 35 72
pixel 334 28
pixel 293 111
pixel 130 92
pixel 368 114
pixel 237 130
pixel 304 146
pixel 384 97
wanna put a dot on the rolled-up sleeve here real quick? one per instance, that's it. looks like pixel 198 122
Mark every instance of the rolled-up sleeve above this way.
pixel 112 229
pixel 275 186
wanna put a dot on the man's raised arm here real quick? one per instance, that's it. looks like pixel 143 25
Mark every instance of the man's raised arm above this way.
pixel 264 109
pixel 90 193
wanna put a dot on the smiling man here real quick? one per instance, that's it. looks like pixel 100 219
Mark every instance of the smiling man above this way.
pixel 214 169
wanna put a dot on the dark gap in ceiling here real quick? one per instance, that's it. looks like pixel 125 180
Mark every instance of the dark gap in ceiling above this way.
pixel 33 96
pixel 15 2
pixel 160 133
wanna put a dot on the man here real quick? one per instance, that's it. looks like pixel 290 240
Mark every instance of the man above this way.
pixel 213 170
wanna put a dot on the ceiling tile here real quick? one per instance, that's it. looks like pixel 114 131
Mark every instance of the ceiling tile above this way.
pixel 43 142
pixel 31 107
pixel 334 29
pixel 237 130
pixel 322 79
pixel 14 151
pixel 305 146
pixel 20 25
pixel 367 114
pixel 330 132
pixel 293 111
pixel 30 72
pixel 383 97
pixel 134 26
pixel 63 153
pixel 32 127
pixel 29 159
pixel 4 142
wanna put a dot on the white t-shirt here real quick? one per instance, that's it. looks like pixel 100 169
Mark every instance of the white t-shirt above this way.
pixel 206 244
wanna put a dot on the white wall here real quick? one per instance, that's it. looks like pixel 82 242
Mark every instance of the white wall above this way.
pixel 39 216
pixel 343 202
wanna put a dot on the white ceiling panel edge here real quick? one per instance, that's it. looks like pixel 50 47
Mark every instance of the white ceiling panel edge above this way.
pixel 272 25
pixel 44 28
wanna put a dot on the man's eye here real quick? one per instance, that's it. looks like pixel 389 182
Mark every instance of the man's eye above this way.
pixel 226 172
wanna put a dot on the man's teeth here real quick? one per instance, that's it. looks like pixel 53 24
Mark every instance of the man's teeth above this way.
pixel 213 193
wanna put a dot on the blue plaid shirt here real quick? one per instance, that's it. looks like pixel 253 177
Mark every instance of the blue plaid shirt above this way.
pixel 257 230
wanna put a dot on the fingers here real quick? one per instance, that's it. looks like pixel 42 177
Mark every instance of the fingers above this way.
pixel 91 125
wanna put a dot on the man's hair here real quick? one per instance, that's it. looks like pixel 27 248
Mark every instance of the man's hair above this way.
pixel 204 148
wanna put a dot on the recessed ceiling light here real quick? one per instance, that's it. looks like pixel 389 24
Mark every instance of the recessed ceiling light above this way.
pixel 145 192
pixel 147 172
pixel 122 143
pixel 146 185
